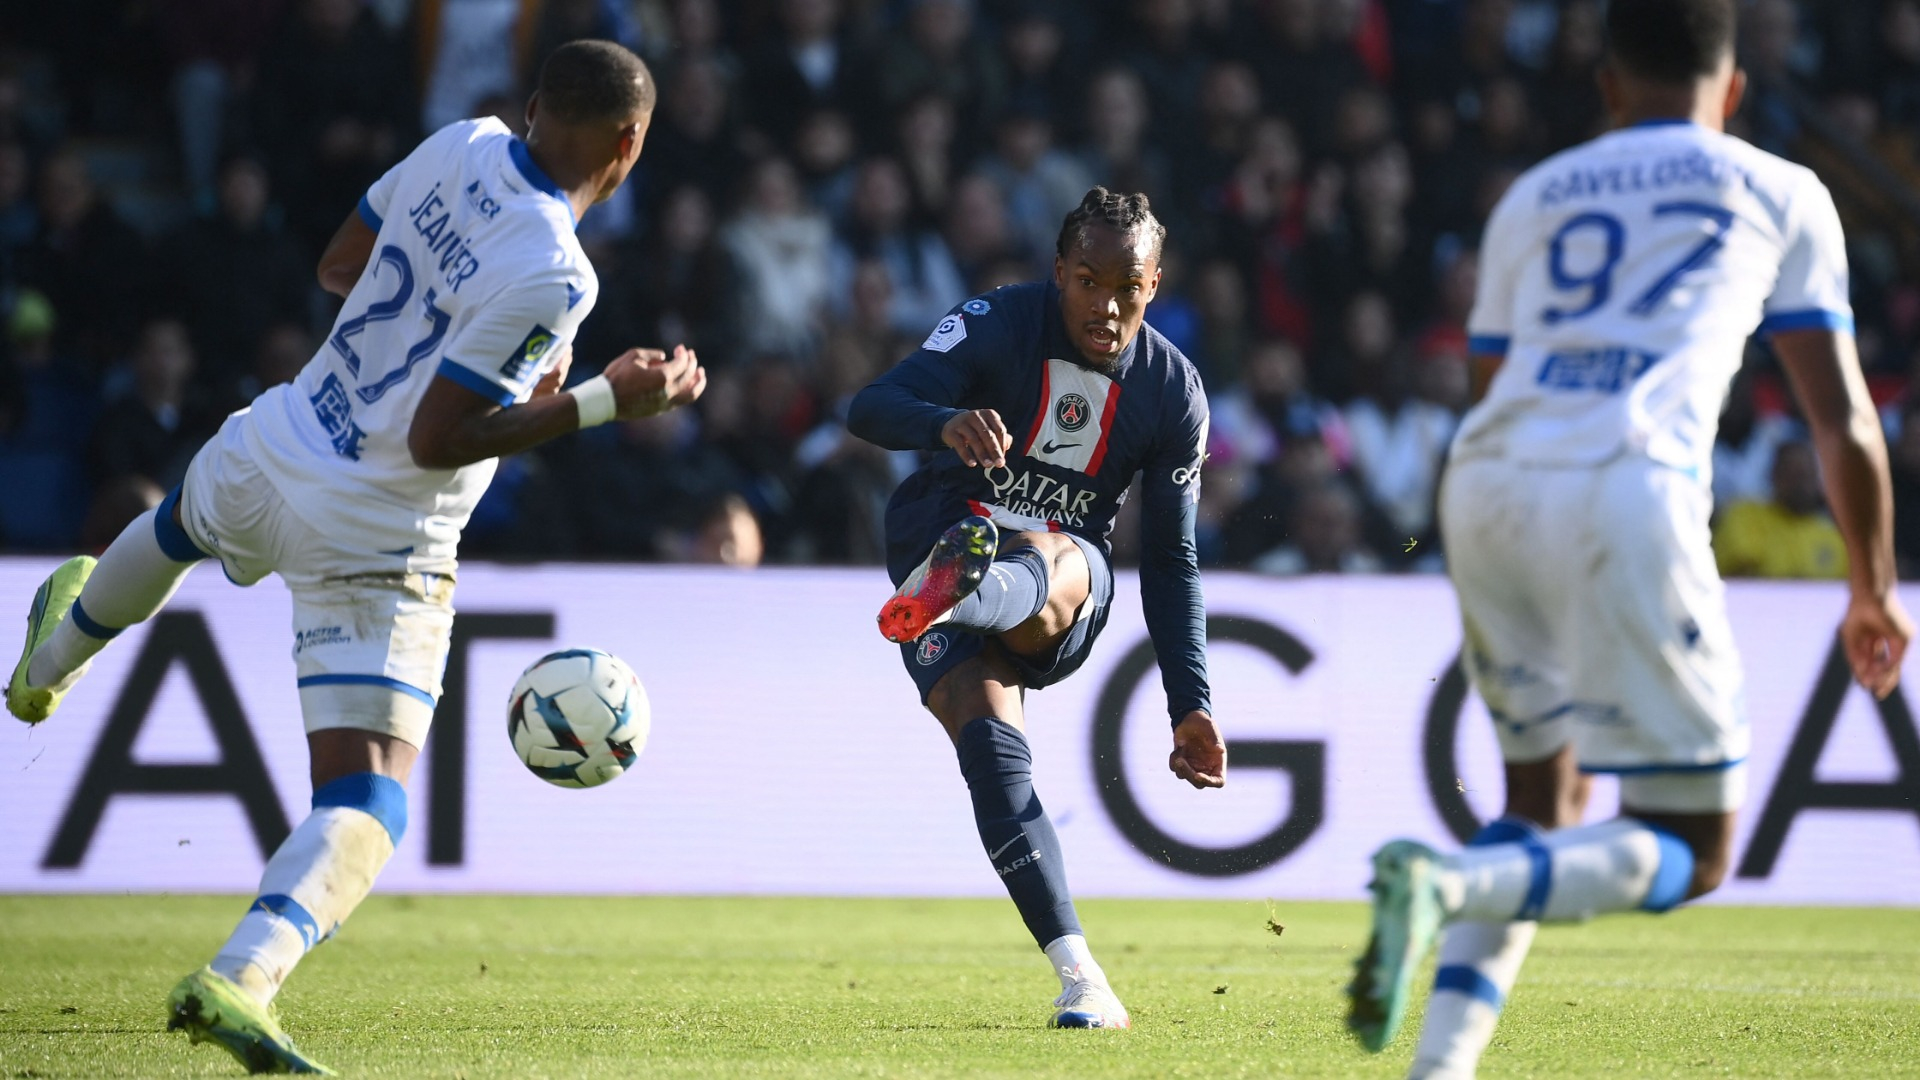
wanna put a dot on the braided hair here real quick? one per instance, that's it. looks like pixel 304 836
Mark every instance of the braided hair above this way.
pixel 1127 213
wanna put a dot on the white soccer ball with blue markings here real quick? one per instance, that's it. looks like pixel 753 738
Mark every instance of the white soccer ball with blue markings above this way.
pixel 578 718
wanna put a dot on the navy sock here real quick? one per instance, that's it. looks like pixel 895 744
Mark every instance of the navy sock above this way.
pixel 1019 839
pixel 1013 591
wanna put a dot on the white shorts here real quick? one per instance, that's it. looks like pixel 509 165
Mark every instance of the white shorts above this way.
pixel 1594 616
pixel 371 629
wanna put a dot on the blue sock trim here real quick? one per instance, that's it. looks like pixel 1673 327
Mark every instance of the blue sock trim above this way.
pixel 1675 875
pixel 1507 829
pixel 368 680
pixel 1465 979
pixel 174 541
pixel 85 624
pixel 289 909
pixel 1542 883
pixel 370 793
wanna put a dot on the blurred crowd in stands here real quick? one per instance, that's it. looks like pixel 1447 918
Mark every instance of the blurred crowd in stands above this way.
pixel 825 178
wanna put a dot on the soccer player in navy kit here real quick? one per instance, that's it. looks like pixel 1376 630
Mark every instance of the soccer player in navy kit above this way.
pixel 1044 401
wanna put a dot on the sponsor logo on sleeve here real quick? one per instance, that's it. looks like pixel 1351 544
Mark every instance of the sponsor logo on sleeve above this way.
pixel 951 331
pixel 976 306
pixel 481 202
pixel 532 350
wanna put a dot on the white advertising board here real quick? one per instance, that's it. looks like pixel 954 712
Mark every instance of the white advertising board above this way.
pixel 789 753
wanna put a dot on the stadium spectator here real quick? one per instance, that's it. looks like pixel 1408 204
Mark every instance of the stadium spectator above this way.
pixel 694 141
pixel 812 63
pixel 232 276
pixel 937 51
pixel 1039 76
pixel 1116 151
pixel 114 507
pixel 87 261
pixel 1327 166
pixel 213 46
pixel 727 535
pixel 333 109
pixel 676 286
pixel 926 139
pixel 924 280
pixel 977 231
pixel 279 354
pixel 1743 450
pixel 781 248
pixel 47 414
pixel 1039 181
pixel 156 428
pixel 1788 536
pixel 824 153
pixel 1324 528
pixel 1399 441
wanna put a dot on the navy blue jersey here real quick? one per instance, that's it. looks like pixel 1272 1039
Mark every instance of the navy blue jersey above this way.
pixel 1080 435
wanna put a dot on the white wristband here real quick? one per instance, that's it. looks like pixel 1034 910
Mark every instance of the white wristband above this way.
pixel 594 401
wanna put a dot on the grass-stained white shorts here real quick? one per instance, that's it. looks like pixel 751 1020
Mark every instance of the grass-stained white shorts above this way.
pixel 1594 616
pixel 371 629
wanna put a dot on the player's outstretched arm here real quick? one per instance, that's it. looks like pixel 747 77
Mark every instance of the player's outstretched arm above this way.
pixel 1825 371
pixel 455 426
pixel 346 255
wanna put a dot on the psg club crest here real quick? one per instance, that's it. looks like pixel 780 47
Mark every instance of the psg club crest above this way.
pixel 932 647
pixel 1071 412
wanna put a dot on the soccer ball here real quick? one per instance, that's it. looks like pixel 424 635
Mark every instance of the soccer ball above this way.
pixel 578 718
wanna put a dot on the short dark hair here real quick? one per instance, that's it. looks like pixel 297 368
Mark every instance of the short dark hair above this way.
pixel 1128 213
pixel 1670 41
pixel 586 82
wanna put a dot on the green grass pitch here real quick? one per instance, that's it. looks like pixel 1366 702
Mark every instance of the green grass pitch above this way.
pixel 590 987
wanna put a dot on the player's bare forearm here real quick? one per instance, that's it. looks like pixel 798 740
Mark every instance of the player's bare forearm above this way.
pixel 1825 372
pixel 455 427
pixel 346 255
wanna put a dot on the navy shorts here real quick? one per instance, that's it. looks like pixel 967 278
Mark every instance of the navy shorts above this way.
pixel 941 649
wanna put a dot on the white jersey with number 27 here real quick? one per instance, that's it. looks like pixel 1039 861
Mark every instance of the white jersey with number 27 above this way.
pixel 1621 280
pixel 475 277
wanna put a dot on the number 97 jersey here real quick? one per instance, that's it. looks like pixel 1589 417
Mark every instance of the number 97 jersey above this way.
pixel 475 277
pixel 1621 280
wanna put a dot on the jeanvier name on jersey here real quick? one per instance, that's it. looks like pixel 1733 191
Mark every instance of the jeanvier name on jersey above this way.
pixel 434 223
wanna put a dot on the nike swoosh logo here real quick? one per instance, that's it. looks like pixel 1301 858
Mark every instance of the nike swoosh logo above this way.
pixel 1051 447
pixel 1005 846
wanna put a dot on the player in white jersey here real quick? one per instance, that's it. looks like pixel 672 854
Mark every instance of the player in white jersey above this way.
pixel 1620 281
pixel 464 286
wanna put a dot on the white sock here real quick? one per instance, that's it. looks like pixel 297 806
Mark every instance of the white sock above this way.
pixel 1072 959
pixel 134 580
pixel 314 881
pixel 1568 875
pixel 1478 963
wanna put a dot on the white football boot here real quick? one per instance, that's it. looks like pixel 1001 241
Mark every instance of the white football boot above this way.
pixel 1087 1003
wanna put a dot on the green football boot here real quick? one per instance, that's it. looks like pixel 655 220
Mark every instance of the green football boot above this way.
pixel 1407 915
pixel 211 1007
pixel 51 603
